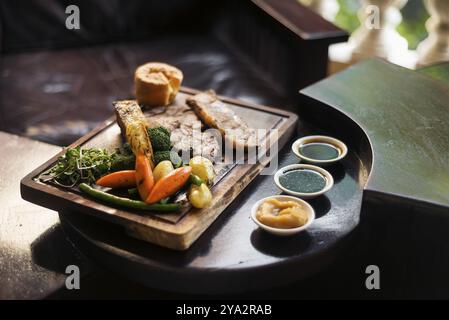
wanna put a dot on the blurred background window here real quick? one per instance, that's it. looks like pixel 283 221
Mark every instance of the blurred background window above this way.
pixel 412 27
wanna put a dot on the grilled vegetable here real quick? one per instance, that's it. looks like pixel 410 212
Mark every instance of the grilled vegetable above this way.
pixel 127 203
pixel 134 127
pixel 168 155
pixel 203 168
pixel 119 179
pixel 144 176
pixel 199 196
pixel 169 184
pixel 160 139
pixel 162 169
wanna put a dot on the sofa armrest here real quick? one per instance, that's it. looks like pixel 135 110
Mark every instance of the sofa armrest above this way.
pixel 302 21
pixel 286 40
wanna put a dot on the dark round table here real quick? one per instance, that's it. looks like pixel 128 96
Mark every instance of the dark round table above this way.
pixel 233 255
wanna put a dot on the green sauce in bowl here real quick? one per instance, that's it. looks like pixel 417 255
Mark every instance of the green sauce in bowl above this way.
pixel 302 180
pixel 319 151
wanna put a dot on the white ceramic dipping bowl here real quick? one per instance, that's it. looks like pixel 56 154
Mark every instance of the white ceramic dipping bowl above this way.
pixel 284 232
pixel 309 195
pixel 341 147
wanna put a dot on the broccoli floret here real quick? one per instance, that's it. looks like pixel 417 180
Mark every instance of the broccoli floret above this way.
pixel 168 155
pixel 126 149
pixel 160 138
pixel 123 158
pixel 164 130
pixel 123 162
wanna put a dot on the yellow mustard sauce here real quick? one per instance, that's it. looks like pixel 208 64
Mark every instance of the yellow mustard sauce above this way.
pixel 281 214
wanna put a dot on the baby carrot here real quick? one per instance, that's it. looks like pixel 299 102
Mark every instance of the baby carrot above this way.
pixel 144 176
pixel 119 179
pixel 169 184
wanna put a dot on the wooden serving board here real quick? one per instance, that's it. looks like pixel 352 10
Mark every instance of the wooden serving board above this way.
pixel 175 230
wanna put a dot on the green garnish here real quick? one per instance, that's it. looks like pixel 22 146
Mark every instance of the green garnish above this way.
pixel 79 165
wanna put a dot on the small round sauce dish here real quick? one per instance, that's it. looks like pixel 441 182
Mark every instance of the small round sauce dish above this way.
pixel 274 225
pixel 319 150
pixel 303 180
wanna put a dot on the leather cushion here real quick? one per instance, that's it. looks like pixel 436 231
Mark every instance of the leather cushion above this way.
pixel 31 24
pixel 58 96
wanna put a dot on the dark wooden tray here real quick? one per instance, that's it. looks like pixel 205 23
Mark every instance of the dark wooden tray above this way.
pixel 178 230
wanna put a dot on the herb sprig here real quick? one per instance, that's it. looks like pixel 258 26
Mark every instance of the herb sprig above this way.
pixel 79 165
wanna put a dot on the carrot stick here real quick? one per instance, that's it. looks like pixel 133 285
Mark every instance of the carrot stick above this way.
pixel 169 184
pixel 119 179
pixel 144 176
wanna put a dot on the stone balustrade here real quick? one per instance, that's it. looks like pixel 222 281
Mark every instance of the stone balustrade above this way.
pixel 377 35
pixel 436 47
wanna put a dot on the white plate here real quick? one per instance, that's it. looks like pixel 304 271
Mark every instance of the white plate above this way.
pixel 284 232
pixel 327 176
pixel 343 149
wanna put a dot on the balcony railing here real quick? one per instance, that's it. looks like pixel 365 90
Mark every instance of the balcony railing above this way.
pixel 377 35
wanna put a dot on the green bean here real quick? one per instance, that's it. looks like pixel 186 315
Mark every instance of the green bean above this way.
pixel 127 203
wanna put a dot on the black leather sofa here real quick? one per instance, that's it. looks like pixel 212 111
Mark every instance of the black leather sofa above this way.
pixel 57 84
